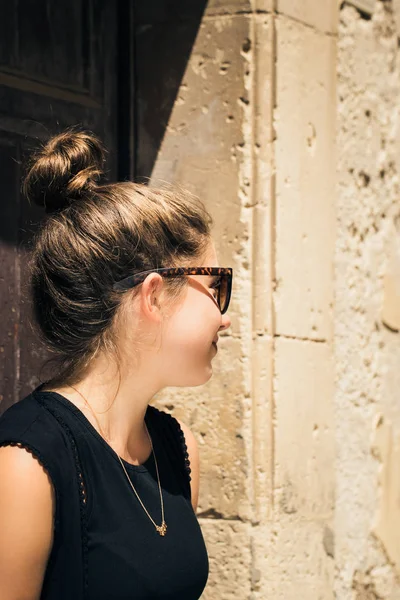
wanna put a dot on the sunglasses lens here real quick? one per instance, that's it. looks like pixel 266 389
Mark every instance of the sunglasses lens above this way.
pixel 224 293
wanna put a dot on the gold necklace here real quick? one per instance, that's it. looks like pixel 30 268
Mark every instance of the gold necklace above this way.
pixel 161 529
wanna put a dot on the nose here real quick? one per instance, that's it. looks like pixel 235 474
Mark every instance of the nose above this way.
pixel 225 322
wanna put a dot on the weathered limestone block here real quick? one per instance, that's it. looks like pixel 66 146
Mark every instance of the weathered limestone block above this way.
pixel 263 271
pixel 228 544
pixel 367 354
pixel 262 436
pixel 305 180
pixel 293 559
pixel 375 577
pixel 304 430
pixel 321 14
pixel 205 128
pixel 263 268
pixel 217 414
pixel 387 527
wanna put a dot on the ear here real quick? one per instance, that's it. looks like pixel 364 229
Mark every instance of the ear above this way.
pixel 150 293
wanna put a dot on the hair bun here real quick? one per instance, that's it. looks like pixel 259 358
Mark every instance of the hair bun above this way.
pixel 66 168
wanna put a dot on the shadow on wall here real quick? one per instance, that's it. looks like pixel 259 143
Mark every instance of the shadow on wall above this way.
pixel 165 32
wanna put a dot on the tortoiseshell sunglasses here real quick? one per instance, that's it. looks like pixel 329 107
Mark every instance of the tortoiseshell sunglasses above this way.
pixel 222 280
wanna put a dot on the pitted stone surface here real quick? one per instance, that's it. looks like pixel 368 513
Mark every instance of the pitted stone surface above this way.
pixel 304 433
pixel 305 179
pixel 292 553
pixel 367 355
pixel 228 544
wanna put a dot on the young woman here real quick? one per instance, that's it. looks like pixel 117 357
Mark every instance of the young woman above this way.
pixel 98 489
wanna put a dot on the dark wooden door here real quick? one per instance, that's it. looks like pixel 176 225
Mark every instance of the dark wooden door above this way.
pixel 58 67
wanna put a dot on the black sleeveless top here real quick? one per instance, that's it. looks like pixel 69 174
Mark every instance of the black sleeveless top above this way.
pixel 105 546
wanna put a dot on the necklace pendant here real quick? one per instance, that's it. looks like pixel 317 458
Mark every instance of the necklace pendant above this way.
pixel 162 529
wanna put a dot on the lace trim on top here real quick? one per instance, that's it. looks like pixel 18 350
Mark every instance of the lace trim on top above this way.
pixel 81 488
pixel 179 443
pixel 185 452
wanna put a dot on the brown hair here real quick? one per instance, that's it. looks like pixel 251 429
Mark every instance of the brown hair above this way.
pixel 97 234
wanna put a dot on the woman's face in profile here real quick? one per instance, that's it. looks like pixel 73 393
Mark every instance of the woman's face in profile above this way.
pixel 190 333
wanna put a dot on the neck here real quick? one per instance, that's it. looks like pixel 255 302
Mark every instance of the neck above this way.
pixel 116 406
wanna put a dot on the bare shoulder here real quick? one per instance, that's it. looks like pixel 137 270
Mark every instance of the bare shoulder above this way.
pixel 27 505
pixel 194 458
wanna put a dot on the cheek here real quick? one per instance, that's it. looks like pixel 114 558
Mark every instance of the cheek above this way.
pixel 200 315
pixel 192 333
pixel 194 325
pixel 187 344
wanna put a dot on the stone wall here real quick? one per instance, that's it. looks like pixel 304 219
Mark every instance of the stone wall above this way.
pixel 285 124
pixel 367 353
